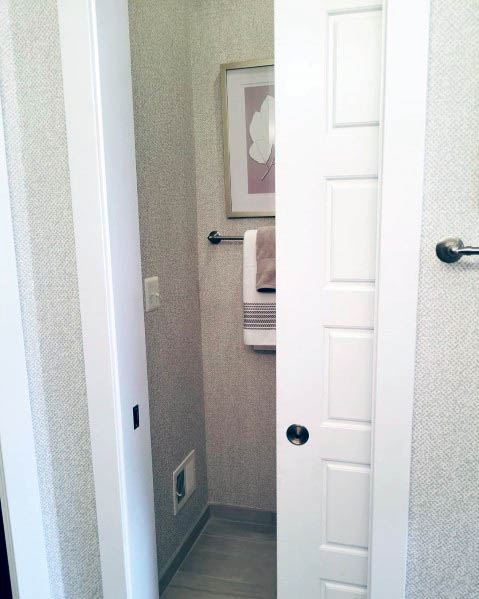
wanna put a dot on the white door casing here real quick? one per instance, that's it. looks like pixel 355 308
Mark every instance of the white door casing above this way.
pixel 328 85
pixel 94 38
pixel 401 197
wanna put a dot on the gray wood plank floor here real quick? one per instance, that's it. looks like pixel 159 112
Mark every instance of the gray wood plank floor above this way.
pixel 230 560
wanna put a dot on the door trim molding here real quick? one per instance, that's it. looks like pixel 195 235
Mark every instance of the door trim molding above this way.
pixel 94 41
pixel 81 92
pixel 401 174
pixel 19 485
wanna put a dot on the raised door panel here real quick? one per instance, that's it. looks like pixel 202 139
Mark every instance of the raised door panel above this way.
pixel 349 374
pixel 352 219
pixel 355 62
pixel 333 590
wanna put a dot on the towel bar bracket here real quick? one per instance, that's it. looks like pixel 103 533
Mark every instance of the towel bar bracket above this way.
pixel 453 249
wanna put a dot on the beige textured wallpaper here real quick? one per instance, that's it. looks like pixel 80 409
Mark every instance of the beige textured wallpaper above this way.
pixel 161 76
pixel 239 383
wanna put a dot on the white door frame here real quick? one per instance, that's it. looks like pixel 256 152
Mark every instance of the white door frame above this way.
pixel 19 488
pixel 95 51
pixel 406 43
pixel 406 27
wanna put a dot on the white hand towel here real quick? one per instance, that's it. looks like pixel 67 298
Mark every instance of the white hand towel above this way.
pixel 259 323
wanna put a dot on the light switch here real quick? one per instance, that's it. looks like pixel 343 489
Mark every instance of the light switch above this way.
pixel 152 294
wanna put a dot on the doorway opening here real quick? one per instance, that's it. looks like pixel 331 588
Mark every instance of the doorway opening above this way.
pixel 211 413
pixel 203 99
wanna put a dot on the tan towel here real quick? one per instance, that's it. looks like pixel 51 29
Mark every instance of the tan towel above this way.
pixel 266 259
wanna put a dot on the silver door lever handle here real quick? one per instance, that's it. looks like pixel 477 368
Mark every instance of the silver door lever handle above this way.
pixel 453 249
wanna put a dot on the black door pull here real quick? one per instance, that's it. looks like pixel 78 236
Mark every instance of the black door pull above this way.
pixel 297 434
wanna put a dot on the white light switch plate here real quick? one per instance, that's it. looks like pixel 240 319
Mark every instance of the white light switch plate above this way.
pixel 152 294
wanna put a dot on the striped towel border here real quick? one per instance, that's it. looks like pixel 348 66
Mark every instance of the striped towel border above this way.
pixel 259 315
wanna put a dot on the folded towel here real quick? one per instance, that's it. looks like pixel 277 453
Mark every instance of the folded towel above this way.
pixel 266 259
pixel 259 308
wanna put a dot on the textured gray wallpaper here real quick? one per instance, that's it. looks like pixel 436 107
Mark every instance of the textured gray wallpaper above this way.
pixel 167 206
pixel 32 100
pixel 239 383
pixel 444 510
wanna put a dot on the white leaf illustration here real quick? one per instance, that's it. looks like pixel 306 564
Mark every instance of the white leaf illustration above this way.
pixel 261 130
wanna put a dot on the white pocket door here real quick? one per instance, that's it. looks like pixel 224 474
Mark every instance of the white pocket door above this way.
pixel 328 82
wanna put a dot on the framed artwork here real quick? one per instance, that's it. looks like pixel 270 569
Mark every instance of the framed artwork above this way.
pixel 247 90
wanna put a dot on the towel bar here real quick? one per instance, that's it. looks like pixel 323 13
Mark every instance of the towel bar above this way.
pixel 453 249
pixel 215 237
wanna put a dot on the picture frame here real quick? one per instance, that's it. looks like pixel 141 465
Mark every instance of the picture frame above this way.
pixel 247 94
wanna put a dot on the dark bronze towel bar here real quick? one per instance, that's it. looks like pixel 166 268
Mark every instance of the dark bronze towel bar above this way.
pixel 215 237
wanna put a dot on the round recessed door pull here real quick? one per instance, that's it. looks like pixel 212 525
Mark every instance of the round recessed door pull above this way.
pixel 297 434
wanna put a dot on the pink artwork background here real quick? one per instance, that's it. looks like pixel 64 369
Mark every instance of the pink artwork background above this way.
pixel 254 98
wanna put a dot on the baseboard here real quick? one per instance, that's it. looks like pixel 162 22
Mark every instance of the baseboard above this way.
pixel 175 562
pixel 242 514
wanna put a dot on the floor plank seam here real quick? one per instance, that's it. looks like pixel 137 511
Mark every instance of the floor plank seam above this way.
pixel 241 522
pixel 249 540
pixel 248 522
pixel 220 593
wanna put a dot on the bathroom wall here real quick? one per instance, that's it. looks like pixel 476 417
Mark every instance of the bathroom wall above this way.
pixel 177 48
pixel 444 508
pixel 32 102
pixel 161 74
pixel 239 383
